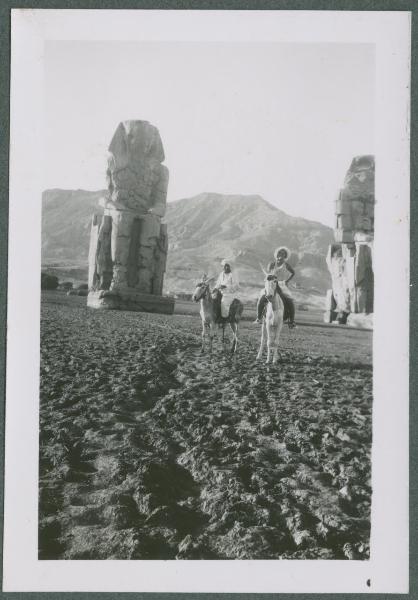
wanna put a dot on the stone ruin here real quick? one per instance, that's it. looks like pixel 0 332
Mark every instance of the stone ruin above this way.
pixel 350 258
pixel 128 242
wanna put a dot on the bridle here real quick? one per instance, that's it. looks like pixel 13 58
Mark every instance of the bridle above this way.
pixel 205 286
pixel 271 296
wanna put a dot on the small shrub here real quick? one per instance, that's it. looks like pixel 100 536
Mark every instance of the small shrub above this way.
pixel 48 282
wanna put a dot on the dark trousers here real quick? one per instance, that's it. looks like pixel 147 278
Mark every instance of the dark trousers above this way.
pixel 289 307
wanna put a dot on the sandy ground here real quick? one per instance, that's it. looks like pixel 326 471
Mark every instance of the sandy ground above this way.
pixel 151 450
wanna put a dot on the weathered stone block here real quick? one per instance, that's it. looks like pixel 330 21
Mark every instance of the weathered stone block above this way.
pixel 345 222
pixel 120 276
pixel 363 236
pixel 363 277
pixel 121 221
pixel 328 317
pixel 135 142
pixel 363 321
pixel 343 235
pixel 127 299
pixel 145 279
pixel 104 265
pixel 362 223
pixel 100 261
pixel 342 205
pixel 146 253
pixel 132 262
pixel 133 248
pixel 94 237
pixel 330 304
pixel 120 249
pixel 340 287
pixel 150 230
pixel 369 209
pixel 359 181
pixel 350 261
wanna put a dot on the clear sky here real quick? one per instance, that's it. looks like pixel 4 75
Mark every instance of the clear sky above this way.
pixel 279 120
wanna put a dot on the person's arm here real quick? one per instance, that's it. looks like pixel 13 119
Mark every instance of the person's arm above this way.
pixel 291 271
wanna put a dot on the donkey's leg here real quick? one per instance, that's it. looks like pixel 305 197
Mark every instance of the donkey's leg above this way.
pixel 275 354
pixel 271 342
pixel 234 327
pixel 263 334
pixel 211 333
pixel 203 337
pixel 274 344
pixel 277 340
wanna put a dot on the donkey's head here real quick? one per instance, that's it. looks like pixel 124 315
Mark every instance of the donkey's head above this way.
pixel 270 286
pixel 202 287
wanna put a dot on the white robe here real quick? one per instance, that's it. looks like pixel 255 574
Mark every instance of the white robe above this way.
pixel 230 280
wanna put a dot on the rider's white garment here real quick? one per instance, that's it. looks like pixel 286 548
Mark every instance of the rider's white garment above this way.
pixel 230 280
pixel 282 273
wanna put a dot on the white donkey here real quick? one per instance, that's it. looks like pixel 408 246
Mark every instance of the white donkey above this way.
pixel 272 320
pixel 203 294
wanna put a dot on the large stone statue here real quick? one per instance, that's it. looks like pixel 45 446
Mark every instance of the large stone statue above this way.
pixel 128 243
pixel 350 258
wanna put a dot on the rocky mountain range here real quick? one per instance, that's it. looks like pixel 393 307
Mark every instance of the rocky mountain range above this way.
pixel 202 230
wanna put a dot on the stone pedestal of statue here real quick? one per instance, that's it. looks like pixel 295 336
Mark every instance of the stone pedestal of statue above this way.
pixel 128 242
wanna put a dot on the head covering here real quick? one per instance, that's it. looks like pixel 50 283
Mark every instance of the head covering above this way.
pixel 276 252
pixel 225 261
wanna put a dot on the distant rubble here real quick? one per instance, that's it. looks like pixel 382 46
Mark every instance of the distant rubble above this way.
pixel 48 282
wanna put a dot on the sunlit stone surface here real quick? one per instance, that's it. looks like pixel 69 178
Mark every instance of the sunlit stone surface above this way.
pixel 128 243
pixel 350 258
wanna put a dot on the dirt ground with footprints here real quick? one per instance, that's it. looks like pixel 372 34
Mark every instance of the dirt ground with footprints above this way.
pixel 150 449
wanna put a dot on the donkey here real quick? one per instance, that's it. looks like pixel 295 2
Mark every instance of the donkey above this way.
pixel 272 320
pixel 210 313
pixel 235 313
pixel 203 294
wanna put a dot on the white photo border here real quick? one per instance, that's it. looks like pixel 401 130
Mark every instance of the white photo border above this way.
pixel 388 566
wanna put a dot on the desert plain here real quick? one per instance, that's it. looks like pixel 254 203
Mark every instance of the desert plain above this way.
pixel 150 449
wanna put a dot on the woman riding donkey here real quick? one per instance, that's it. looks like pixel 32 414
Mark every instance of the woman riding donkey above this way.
pixel 284 273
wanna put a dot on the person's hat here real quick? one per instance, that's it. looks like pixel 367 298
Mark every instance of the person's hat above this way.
pixel 225 261
pixel 280 249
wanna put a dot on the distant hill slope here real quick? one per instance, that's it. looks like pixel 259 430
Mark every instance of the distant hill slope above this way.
pixel 202 230
pixel 66 222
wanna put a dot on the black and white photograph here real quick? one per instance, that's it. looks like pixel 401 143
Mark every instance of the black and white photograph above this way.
pixel 213 245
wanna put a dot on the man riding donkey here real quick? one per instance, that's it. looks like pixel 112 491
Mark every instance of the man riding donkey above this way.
pixel 228 286
pixel 281 269
pixel 219 306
